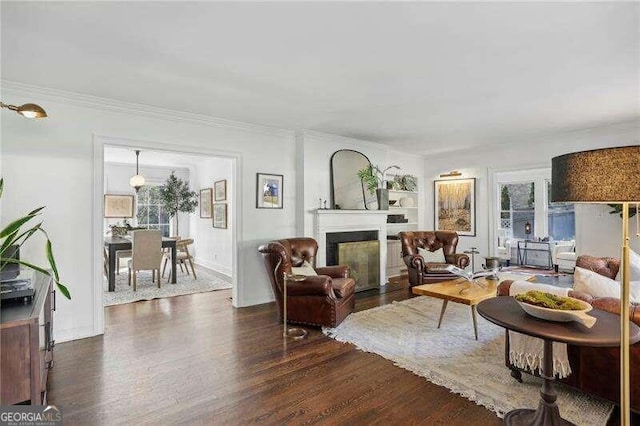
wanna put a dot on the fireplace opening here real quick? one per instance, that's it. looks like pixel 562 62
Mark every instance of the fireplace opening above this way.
pixel 360 250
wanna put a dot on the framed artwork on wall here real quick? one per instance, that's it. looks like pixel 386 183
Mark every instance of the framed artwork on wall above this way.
pixel 220 215
pixel 220 190
pixel 455 206
pixel 269 191
pixel 205 203
pixel 118 206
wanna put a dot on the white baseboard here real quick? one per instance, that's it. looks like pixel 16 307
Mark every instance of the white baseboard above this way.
pixel 73 334
pixel 216 267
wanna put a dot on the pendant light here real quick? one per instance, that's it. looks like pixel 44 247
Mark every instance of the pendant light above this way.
pixel 137 181
pixel 26 110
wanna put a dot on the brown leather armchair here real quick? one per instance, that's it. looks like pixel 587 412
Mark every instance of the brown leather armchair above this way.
pixel 421 272
pixel 323 300
pixel 595 370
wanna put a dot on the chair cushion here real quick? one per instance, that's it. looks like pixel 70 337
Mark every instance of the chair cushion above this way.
pixel 567 255
pixel 435 267
pixel 343 287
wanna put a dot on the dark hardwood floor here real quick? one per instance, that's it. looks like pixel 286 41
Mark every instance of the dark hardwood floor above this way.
pixel 197 360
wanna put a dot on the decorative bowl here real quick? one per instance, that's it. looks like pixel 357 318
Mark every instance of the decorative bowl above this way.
pixel 558 315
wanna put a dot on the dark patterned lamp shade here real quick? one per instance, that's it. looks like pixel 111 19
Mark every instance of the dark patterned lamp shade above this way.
pixel 609 175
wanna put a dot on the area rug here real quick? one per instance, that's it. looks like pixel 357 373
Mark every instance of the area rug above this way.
pixel 534 271
pixel 147 290
pixel 405 333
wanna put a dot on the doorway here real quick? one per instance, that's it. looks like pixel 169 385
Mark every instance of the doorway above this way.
pixel 205 234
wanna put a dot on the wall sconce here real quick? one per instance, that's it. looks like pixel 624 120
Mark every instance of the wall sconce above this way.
pixel 452 173
pixel 27 110
pixel 527 228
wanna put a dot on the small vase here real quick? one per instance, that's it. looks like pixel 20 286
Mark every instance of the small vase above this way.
pixel 383 198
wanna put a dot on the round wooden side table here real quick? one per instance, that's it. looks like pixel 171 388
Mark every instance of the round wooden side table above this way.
pixel 505 312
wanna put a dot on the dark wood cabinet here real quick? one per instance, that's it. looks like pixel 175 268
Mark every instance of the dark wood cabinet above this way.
pixel 26 345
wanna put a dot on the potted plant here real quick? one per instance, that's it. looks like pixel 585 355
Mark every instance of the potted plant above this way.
pixel 14 236
pixel 375 181
pixel 176 197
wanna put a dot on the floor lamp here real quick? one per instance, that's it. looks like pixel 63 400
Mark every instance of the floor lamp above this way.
pixel 610 176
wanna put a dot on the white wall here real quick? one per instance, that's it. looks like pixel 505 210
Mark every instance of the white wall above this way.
pixel 594 234
pixel 50 162
pixel 116 181
pixel 213 247
pixel 314 154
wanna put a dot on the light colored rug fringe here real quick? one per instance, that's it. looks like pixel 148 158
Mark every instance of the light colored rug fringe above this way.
pixel 405 333
pixel 148 290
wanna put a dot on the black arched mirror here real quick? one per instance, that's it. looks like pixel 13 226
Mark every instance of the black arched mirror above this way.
pixel 347 190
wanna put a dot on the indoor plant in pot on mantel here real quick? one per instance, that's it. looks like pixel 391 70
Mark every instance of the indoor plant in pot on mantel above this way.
pixel 13 236
pixel 375 180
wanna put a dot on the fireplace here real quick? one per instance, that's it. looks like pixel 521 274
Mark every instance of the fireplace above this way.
pixel 349 237
pixel 360 250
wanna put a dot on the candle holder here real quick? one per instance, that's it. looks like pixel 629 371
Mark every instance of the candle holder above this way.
pixel 294 332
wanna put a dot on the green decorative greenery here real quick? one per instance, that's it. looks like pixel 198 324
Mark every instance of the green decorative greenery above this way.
pixel 405 182
pixel 14 235
pixel 373 177
pixel 617 209
pixel 176 197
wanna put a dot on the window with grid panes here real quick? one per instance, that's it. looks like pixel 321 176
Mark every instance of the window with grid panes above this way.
pixel 149 211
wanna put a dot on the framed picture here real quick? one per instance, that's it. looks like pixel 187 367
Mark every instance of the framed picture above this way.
pixel 205 203
pixel 118 206
pixel 455 206
pixel 220 190
pixel 220 215
pixel 269 191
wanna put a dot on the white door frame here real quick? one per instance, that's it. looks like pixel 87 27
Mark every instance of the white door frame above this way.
pixel 99 142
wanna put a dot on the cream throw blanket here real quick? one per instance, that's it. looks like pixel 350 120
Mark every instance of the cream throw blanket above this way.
pixel 526 352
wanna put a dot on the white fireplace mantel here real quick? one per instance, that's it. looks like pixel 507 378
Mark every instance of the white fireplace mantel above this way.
pixel 330 221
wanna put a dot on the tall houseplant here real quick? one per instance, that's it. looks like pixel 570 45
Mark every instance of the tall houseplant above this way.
pixel 14 235
pixel 374 179
pixel 176 197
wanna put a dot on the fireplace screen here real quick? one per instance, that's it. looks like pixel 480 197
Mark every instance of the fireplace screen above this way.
pixel 364 260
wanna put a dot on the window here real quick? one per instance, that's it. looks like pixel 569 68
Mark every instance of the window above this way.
pixel 525 210
pixel 149 212
pixel 561 218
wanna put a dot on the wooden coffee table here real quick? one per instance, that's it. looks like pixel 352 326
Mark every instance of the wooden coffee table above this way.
pixel 462 291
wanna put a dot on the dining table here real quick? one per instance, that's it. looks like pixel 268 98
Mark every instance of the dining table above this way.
pixel 117 243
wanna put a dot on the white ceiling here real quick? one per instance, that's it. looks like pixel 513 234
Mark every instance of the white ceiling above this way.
pixel 422 76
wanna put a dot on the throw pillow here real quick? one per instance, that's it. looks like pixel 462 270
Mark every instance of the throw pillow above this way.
pixel 600 286
pixel 634 264
pixel 305 269
pixel 432 256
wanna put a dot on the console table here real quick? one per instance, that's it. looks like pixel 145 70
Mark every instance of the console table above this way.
pixel 525 246
pixel 505 312
pixel 26 345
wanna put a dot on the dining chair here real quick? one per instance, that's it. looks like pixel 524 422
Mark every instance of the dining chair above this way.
pixel 182 257
pixel 121 254
pixel 146 251
pixel 106 262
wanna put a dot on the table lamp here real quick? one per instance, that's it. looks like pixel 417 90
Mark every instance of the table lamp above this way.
pixel 609 176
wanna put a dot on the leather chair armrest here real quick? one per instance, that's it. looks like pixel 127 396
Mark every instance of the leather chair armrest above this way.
pixel 460 260
pixel 319 285
pixel 338 271
pixel 505 286
pixel 414 261
pixel 612 305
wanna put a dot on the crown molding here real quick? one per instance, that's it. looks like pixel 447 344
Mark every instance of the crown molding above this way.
pixel 330 137
pixel 107 104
